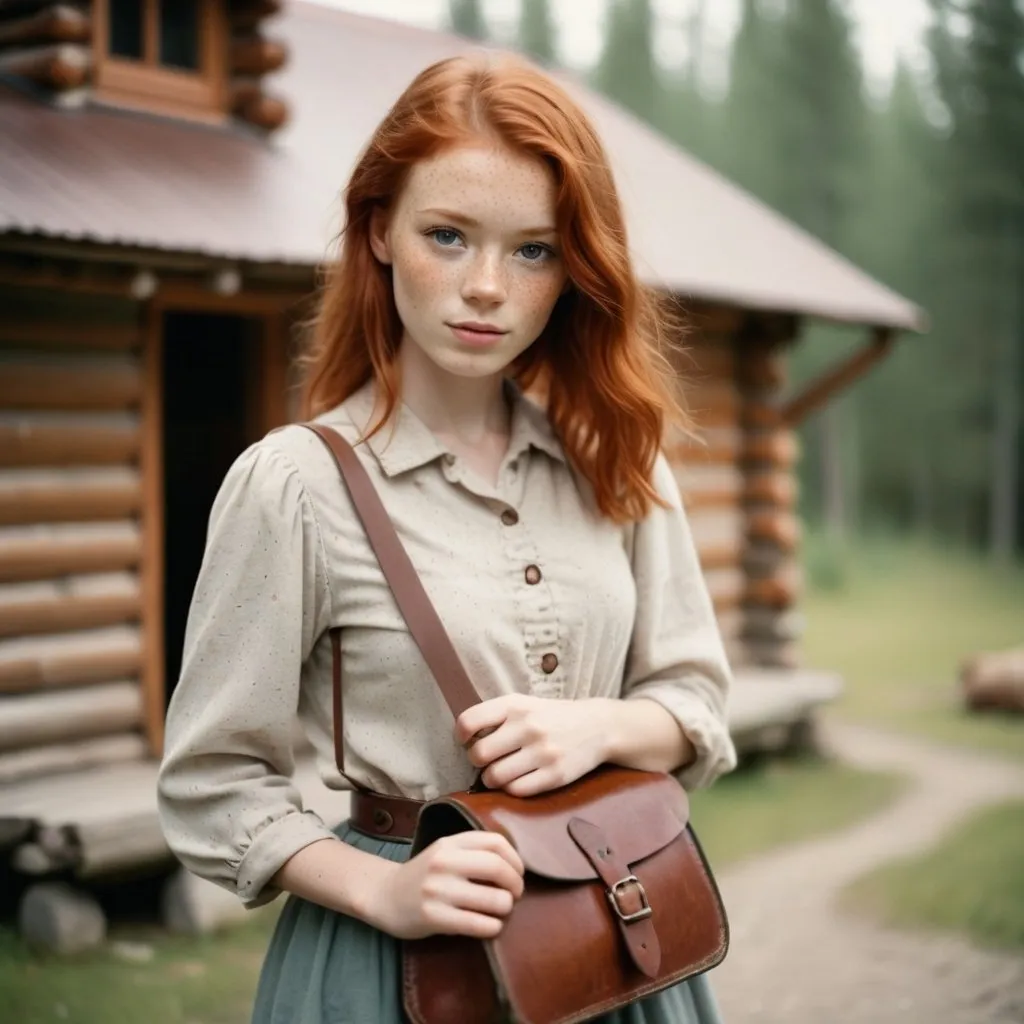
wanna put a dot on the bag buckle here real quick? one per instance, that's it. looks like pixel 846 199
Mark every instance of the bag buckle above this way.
pixel 617 890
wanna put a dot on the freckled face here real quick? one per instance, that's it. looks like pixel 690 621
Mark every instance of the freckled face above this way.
pixel 474 255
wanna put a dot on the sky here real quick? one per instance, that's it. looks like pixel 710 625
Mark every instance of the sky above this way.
pixel 886 28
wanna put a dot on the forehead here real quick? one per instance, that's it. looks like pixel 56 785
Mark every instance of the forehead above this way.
pixel 486 181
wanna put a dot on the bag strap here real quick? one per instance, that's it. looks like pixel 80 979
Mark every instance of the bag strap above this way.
pixel 416 607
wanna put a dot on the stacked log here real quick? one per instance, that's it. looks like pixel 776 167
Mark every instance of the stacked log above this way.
pixel 71 535
pixel 772 627
pixel 252 57
pixel 706 462
pixel 49 44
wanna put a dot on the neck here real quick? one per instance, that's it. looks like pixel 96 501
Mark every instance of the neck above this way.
pixel 465 409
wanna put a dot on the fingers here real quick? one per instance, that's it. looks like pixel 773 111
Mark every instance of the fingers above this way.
pixel 487 715
pixel 449 920
pixel 500 772
pixel 492 841
pixel 493 745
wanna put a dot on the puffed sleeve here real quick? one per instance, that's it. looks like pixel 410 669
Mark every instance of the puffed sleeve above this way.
pixel 676 655
pixel 228 808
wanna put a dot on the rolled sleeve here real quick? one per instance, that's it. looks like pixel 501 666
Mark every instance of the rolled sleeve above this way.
pixel 676 654
pixel 228 806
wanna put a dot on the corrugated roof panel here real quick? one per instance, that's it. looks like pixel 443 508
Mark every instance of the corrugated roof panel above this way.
pixel 120 178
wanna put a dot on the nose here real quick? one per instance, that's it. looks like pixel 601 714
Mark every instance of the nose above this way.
pixel 484 282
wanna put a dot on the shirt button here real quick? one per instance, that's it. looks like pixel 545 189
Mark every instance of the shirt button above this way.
pixel 510 517
pixel 549 663
pixel 532 575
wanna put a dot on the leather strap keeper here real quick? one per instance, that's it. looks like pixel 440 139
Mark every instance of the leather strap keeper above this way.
pixel 384 817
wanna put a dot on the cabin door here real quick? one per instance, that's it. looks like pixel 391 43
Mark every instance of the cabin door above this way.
pixel 223 389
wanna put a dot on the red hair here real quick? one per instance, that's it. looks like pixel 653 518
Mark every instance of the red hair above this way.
pixel 599 360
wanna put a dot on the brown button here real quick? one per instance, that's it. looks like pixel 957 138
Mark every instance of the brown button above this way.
pixel 382 820
pixel 549 663
pixel 532 575
pixel 510 517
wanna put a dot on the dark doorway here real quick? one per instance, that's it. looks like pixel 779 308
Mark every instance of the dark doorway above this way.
pixel 211 364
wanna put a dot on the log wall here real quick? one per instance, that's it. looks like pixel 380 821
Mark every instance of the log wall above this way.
pixel 73 624
pixel 737 474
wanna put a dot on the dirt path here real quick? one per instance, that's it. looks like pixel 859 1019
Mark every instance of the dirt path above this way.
pixel 796 959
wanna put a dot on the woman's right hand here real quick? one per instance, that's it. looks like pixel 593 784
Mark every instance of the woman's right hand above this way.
pixel 464 884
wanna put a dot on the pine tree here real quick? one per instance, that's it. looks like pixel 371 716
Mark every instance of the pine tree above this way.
pixel 626 70
pixel 537 31
pixel 466 19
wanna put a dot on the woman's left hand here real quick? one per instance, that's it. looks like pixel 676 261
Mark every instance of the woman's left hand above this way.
pixel 529 745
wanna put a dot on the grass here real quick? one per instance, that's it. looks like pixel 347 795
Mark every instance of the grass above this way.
pixel 897 620
pixel 188 981
pixel 776 802
pixel 211 980
pixel 970 883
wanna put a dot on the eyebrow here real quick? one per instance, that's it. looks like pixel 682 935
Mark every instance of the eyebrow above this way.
pixel 470 222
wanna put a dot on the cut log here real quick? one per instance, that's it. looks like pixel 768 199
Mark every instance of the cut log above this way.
pixel 994 680
pixel 713 405
pixel 781 528
pixel 763 558
pixel 58 66
pixel 762 371
pixel 719 556
pixel 246 16
pixel 698 363
pixel 69 384
pixel 70 659
pixel 769 624
pixel 19 765
pixel 59 919
pixel 72 336
pixel 709 486
pixel 771 653
pixel 73 602
pixel 780 591
pixel 41 439
pixel 759 414
pixel 265 111
pixel 255 55
pixel 68 495
pixel 771 488
pixel 711 446
pixel 774 447
pixel 122 844
pixel 57 23
pixel 709 319
pixel 65 715
pixel 43 552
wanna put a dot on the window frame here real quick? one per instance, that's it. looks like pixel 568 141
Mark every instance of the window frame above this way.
pixel 146 84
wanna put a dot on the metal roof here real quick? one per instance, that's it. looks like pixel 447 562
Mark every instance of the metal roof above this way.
pixel 104 176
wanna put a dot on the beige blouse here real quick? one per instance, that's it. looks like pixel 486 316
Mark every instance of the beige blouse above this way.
pixel 539 593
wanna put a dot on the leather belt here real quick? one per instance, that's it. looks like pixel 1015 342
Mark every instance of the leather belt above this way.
pixel 384 817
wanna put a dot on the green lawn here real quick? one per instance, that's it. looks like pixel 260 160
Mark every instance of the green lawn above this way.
pixel 210 981
pixel 971 883
pixel 897 620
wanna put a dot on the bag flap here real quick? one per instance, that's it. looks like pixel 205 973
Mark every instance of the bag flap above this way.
pixel 639 813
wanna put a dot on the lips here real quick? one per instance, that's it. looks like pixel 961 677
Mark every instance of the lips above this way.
pixel 476 333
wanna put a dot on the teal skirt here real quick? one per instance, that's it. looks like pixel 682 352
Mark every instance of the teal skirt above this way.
pixel 328 968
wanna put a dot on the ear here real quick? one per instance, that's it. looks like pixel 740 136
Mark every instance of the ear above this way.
pixel 380 244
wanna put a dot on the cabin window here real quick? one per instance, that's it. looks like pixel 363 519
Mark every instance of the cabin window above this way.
pixel 168 56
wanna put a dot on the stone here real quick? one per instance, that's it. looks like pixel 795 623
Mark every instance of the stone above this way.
pixel 193 906
pixel 57 917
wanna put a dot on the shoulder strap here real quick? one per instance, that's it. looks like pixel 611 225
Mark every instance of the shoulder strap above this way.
pixel 416 607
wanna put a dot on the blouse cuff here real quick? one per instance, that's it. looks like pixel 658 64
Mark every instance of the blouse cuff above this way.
pixel 704 727
pixel 271 847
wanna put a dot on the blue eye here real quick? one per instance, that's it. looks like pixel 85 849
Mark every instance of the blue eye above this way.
pixel 444 236
pixel 534 252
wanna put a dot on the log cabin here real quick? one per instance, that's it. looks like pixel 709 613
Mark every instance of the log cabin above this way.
pixel 169 176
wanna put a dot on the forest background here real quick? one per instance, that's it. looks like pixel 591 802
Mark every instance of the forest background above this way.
pixel 921 185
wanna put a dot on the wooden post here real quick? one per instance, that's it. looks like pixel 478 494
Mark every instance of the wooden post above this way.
pixel 152 566
pixel 274 372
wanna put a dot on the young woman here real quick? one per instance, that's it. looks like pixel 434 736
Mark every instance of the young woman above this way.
pixel 484 255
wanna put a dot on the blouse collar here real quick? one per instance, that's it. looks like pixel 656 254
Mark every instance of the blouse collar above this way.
pixel 407 443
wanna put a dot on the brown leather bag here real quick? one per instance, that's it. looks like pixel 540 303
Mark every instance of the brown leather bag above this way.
pixel 619 900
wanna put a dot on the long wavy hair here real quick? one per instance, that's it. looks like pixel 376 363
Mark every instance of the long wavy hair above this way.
pixel 601 362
